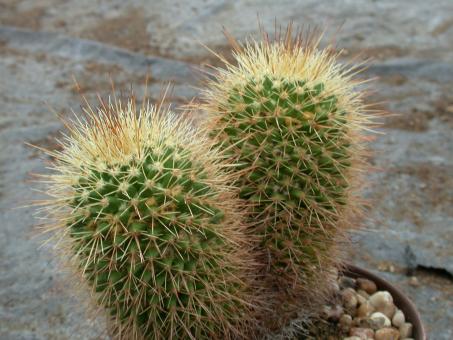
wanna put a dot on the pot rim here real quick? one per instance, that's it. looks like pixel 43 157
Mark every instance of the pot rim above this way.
pixel 400 299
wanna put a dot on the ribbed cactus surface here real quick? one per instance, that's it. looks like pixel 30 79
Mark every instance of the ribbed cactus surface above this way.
pixel 293 119
pixel 294 141
pixel 154 225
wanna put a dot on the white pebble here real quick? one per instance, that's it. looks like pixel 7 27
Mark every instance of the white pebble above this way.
pixel 383 302
pixel 380 298
pixel 352 338
pixel 398 319
pixel 406 330
pixel 379 320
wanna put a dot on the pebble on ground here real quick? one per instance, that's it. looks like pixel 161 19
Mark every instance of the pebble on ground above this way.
pixel 363 312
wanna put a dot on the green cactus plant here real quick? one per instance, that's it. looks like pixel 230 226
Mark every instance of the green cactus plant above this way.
pixel 152 222
pixel 293 119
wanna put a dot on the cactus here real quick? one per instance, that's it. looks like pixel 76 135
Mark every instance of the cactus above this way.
pixel 153 224
pixel 292 117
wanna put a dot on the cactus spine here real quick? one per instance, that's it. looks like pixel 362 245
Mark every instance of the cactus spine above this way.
pixel 293 119
pixel 152 223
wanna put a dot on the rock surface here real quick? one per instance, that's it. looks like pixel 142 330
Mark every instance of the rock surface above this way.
pixel 43 44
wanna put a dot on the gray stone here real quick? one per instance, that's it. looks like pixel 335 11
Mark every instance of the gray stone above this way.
pixel 81 50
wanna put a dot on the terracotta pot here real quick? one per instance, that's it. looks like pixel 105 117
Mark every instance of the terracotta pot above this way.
pixel 399 298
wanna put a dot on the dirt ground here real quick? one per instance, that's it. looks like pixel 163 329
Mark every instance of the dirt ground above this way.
pixel 44 44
